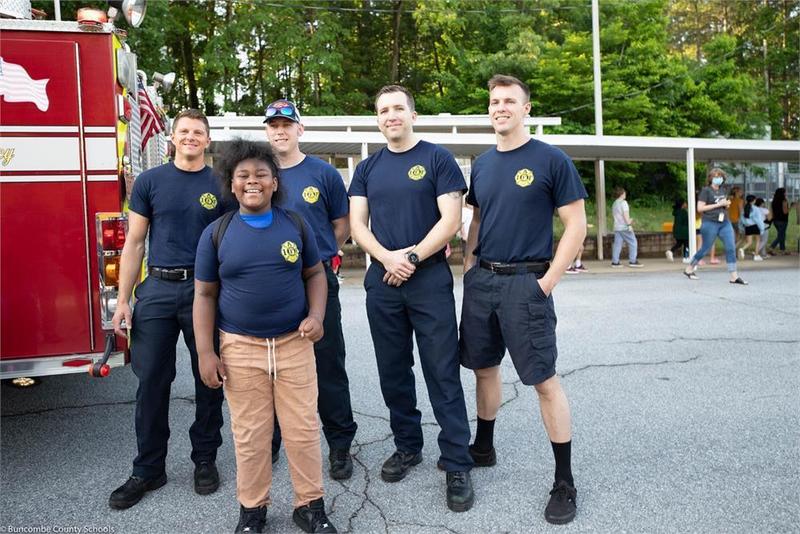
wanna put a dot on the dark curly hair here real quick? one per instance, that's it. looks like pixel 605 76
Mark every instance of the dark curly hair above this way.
pixel 238 151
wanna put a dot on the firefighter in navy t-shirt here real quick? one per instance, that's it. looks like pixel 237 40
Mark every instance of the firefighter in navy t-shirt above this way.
pixel 315 190
pixel 175 202
pixel 509 276
pixel 405 205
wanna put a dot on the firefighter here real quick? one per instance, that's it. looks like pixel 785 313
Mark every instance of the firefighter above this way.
pixel 508 280
pixel 174 202
pixel 410 192
pixel 315 190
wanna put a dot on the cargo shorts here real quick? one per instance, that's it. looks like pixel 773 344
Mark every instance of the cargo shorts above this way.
pixel 510 311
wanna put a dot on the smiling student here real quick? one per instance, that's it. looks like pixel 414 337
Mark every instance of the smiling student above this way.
pixel 259 277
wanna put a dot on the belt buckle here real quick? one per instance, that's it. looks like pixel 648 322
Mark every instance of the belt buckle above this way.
pixel 495 267
pixel 185 275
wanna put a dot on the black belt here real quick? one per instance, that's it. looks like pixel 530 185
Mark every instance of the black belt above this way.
pixel 174 274
pixel 427 262
pixel 538 267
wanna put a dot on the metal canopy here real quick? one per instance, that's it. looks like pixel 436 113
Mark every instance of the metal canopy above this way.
pixel 578 147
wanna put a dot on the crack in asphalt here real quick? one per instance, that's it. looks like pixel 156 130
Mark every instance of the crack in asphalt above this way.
pixel 723 339
pixel 628 364
pixel 190 399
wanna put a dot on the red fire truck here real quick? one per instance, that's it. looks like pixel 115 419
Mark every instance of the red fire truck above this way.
pixel 70 147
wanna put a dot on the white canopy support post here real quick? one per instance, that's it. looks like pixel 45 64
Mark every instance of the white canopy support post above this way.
pixel 600 193
pixel 690 201
pixel 599 164
pixel 364 155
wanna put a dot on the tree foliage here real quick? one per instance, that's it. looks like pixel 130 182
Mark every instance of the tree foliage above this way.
pixel 705 68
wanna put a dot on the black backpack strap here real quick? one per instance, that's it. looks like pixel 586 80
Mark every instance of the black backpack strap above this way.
pixel 220 226
pixel 298 222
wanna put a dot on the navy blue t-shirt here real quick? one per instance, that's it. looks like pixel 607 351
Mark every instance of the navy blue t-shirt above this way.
pixel 259 270
pixel 401 190
pixel 315 190
pixel 179 205
pixel 518 192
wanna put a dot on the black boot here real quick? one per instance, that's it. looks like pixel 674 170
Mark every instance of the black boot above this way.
pixel 460 495
pixel 133 490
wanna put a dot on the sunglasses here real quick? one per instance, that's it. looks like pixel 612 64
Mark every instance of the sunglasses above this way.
pixel 287 110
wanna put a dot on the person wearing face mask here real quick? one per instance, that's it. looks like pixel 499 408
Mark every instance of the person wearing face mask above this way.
pixel 712 205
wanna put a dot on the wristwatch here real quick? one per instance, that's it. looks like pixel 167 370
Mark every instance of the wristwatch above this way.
pixel 412 258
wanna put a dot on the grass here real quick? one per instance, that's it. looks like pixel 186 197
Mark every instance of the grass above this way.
pixel 650 218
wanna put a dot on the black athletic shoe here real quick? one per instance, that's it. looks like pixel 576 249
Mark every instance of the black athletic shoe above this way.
pixel 561 508
pixel 206 478
pixel 460 496
pixel 397 466
pixel 481 458
pixel 252 519
pixel 312 518
pixel 341 464
pixel 133 490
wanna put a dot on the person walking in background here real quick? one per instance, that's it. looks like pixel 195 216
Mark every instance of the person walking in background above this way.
pixel 712 205
pixel 577 266
pixel 735 212
pixel 753 219
pixel 623 230
pixel 259 282
pixel 680 231
pixel 780 218
pixel 763 238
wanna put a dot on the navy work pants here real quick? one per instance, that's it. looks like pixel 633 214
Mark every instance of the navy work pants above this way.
pixel 333 402
pixel 163 310
pixel 423 306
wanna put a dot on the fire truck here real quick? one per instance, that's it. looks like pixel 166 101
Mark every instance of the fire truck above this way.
pixel 70 149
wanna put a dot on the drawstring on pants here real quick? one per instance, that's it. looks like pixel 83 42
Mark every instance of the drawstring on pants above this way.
pixel 272 364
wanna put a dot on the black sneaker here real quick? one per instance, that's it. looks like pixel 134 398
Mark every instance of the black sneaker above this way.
pixel 341 464
pixel 252 519
pixel 397 466
pixel 133 490
pixel 615 265
pixel 206 478
pixel 312 518
pixel 561 508
pixel 460 496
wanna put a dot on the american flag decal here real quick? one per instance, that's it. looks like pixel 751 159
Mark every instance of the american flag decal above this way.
pixel 16 85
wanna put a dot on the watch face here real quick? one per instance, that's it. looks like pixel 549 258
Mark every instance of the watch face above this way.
pixel 413 258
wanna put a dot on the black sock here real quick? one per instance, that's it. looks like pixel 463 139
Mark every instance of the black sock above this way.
pixel 562 453
pixel 484 435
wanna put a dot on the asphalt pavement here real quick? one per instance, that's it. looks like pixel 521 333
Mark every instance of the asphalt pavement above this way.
pixel 685 408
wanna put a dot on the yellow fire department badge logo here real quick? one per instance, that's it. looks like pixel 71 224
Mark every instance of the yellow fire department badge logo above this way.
pixel 310 194
pixel 289 251
pixel 208 201
pixel 524 177
pixel 417 172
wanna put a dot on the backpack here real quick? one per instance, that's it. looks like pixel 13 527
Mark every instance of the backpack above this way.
pixel 221 226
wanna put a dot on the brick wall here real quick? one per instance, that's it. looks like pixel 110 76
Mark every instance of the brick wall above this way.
pixel 651 245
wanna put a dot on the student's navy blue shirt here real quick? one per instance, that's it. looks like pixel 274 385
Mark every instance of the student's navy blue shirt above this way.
pixel 517 192
pixel 179 205
pixel 315 190
pixel 259 270
pixel 401 190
